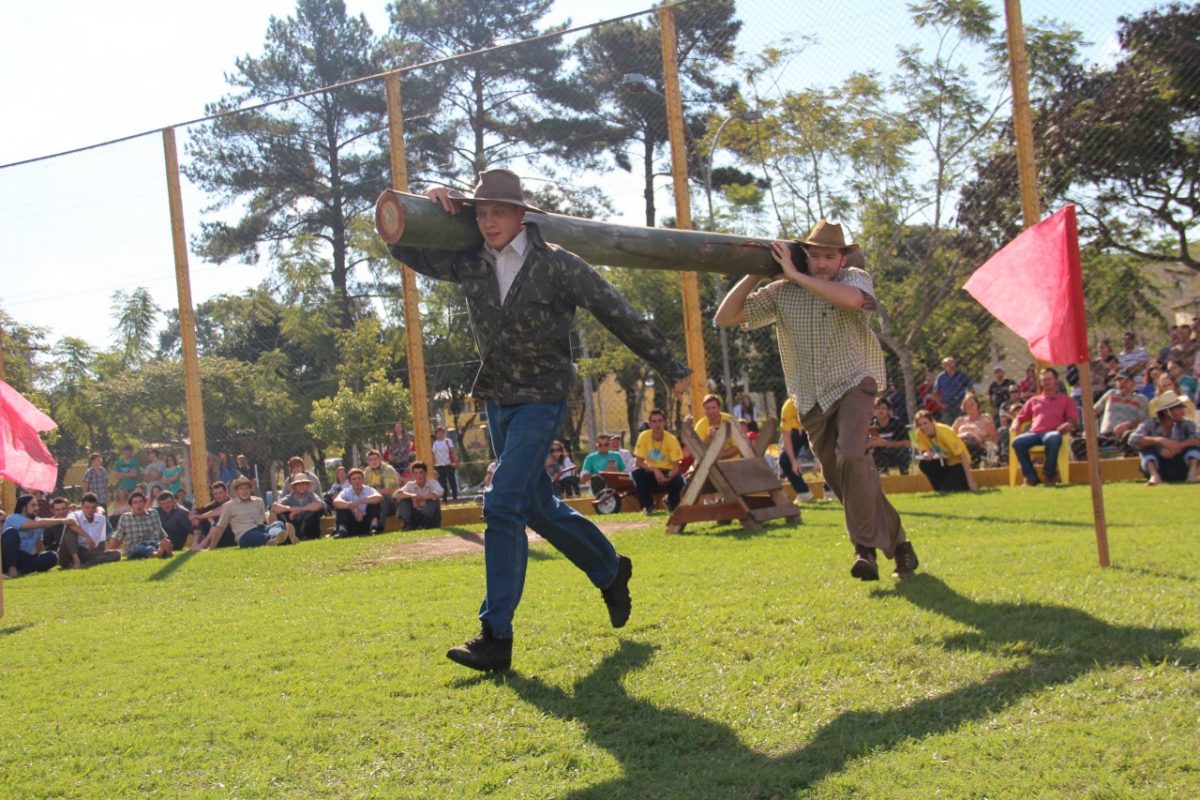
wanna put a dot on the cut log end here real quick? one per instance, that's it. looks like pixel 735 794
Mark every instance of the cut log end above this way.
pixel 389 217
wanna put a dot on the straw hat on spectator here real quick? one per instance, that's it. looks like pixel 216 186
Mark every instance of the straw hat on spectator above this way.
pixel 1165 402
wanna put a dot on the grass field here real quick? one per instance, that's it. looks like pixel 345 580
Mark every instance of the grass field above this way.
pixel 753 667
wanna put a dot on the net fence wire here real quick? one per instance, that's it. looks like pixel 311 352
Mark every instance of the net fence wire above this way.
pixel 895 121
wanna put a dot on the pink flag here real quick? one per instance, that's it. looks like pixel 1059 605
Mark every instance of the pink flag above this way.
pixel 24 458
pixel 1035 286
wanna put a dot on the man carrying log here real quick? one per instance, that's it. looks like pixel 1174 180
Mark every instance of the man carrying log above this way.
pixel 833 366
pixel 521 295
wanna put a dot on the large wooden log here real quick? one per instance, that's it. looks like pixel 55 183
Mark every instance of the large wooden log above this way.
pixel 414 221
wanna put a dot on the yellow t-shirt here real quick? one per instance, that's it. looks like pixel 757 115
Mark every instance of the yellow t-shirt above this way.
pixel 702 426
pixel 659 455
pixel 789 417
pixel 946 443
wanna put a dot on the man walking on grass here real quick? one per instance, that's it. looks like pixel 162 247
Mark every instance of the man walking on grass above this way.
pixel 833 367
pixel 521 295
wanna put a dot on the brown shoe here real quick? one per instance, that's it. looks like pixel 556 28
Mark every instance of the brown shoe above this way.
pixel 865 567
pixel 906 561
pixel 484 653
pixel 1051 480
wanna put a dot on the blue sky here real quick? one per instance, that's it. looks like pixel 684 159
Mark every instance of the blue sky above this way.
pixel 71 74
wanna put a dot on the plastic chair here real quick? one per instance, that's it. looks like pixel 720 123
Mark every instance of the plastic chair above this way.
pixel 1037 455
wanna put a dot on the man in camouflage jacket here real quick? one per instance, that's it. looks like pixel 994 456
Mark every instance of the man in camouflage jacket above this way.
pixel 521 295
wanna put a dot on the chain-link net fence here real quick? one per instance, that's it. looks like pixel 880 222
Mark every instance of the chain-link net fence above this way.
pixel 894 121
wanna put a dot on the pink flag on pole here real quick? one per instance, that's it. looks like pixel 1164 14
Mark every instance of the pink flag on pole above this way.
pixel 1034 285
pixel 24 458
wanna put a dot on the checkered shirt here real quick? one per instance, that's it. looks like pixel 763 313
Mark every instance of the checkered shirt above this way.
pixel 134 529
pixel 826 351
pixel 95 480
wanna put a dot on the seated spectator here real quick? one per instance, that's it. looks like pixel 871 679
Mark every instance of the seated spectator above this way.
pixel 943 458
pixel 84 543
pixel 561 470
pixel 1052 415
pixel 139 533
pixel 658 456
pixel 744 407
pixel 120 505
pixel 1168 444
pixel 296 467
pixel 358 509
pixel 203 518
pixel 246 516
pixel 1119 411
pixel 247 470
pixel 1149 385
pixel 976 430
pixel 793 449
pixel 52 536
pixel 1029 384
pixel 951 386
pixel 301 507
pixel 419 502
pixel 172 476
pixel 21 549
pixel 95 480
pixel 1187 384
pixel 227 471
pixel 383 478
pixel 888 440
pixel 1167 384
pixel 340 481
pixel 1133 357
pixel 706 427
pixel 174 518
pixel 602 459
pixel 617 443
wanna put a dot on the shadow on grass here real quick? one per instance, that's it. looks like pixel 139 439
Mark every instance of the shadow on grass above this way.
pixel 9 630
pixel 1154 573
pixel 666 752
pixel 168 569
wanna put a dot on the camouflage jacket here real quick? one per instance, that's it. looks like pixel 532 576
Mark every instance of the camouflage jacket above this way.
pixel 524 343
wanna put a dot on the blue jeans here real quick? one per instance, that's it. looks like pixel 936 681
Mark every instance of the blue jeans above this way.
pixel 142 550
pixel 521 494
pixel 260 535
pixel 1051 440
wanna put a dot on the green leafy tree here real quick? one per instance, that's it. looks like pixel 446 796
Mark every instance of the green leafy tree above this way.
pixel 306 167
pixel 136 317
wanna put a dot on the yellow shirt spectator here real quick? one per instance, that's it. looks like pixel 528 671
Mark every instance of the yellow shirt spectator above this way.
pixel 945 444
pixel 664 454
pixel 789 417
pixel 702 426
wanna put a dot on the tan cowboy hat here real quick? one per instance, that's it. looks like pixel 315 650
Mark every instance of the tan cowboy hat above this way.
pixel 301 478
pixel 827 234
pixel 1166 401
pixel 501 186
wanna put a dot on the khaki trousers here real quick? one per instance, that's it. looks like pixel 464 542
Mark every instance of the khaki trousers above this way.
pixel 839 441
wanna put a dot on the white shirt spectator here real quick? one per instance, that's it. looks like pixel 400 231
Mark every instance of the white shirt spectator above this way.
pixel 97 528
pixel 441 452
pixel 432 490
pixel 349 496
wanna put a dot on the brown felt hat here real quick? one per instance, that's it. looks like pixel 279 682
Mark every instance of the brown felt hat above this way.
pixel 828 234
pixel 501 186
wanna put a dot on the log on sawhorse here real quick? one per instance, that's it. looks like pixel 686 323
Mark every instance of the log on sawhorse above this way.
pixel 750 490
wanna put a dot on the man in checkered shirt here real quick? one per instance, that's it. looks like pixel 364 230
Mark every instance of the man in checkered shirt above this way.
pixel 139 532
pixel 833 366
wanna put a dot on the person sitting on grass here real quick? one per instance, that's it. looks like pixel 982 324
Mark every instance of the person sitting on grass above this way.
pixel 83 544
pixel 60 507
pixel 944 458
pixel 658 455
pixel 419 502
pixel 202 518
pixel 888 439
pixel 246 516
pixel 1169 446
pixel 358 509
pixel 21 549
pixel 301 507
pixel 1052 415
pixel 175 519
pixel 601 460
pixel 140 534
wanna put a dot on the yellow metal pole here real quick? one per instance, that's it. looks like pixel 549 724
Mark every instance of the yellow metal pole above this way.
pixel 8 489
pixel 198 449
pixel 692 320
pixel 414 340
pixel 1031 211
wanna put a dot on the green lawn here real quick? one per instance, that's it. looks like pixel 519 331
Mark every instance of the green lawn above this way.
pixel 1013 666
